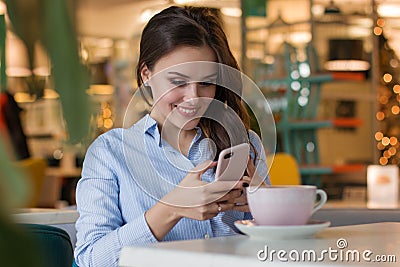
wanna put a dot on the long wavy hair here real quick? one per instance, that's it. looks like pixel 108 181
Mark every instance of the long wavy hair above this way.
pixel 196 26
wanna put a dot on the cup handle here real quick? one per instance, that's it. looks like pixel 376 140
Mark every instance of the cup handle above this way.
pixel 322 201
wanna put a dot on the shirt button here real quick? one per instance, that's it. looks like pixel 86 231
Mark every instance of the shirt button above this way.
pixel 206 236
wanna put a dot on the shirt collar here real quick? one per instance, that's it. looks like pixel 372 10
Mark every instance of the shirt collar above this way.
pixel 150 127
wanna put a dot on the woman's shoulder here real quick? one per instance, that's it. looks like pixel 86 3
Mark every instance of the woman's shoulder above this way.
pixel 107 141
pixel 120 134
pixel 115 137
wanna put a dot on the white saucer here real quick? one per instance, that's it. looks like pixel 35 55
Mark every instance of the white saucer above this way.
pixel 279 232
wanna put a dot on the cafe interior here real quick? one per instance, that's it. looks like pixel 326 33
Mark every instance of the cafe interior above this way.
pixel 328 69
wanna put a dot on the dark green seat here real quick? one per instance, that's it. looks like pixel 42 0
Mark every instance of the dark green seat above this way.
pixel 53 245
pixel 298 85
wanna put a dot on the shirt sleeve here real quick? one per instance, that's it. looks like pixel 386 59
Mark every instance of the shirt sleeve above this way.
pixel 101 230
pixel 261 161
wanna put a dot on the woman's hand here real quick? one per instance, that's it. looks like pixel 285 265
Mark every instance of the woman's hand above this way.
pixel 253 179
pixel 196 199
pixel 241 201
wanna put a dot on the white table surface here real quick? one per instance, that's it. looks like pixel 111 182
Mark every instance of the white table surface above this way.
pixel 46 216
pixel 379 238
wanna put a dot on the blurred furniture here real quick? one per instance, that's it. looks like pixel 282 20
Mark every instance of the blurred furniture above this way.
pixel 284 169
pixel 17 246
pixel 63 180
pixel 35 171
pixel 53 245
pixel 297 85
pixel 60 218
pixel 352 216
pixel 240 250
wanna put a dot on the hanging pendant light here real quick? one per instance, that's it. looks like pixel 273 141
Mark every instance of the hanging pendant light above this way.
pixel 346 55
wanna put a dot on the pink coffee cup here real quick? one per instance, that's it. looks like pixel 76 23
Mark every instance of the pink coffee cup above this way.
pixel 284 205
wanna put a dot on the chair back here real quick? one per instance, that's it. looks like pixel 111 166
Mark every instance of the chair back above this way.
pixel 53 245
pixel 35 171
pixel 284 169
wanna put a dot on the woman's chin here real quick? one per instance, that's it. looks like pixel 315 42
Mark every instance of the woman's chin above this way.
pixel 188 125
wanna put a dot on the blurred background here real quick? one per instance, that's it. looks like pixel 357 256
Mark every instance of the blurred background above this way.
pixel 329 70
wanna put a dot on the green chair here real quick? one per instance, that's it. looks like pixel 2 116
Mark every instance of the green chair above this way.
pixel 53 245
pixel 298 86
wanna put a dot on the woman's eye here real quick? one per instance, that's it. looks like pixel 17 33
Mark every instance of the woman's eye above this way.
pixel 178 82
pixel 206 84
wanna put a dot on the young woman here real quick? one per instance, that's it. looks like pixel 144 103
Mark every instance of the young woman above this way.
pixel 155 181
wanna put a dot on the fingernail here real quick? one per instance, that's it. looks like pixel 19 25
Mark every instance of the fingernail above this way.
pixel 245 184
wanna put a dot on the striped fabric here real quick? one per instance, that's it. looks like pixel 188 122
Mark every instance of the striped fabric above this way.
pixel 124 174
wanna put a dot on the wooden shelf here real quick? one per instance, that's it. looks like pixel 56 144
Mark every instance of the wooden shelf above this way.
pixel 348 76
pixel 347 122
pixel 304 124
pixel 284 81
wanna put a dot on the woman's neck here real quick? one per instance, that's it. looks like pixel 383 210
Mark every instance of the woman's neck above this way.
pixel 179 139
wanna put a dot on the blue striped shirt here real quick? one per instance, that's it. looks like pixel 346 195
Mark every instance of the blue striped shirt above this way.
pixel 124 174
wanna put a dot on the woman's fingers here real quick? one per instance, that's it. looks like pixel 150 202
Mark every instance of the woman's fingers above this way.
pixel 231 196
pixel 225 186
pixel 241 199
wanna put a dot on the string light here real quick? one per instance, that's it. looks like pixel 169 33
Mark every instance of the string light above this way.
pixel 383 100
pixel 387 77
pixel 385 141
pixel 378 136
pixel 386 154
pixel 395 110
pixel 380 22
pixel 380 116
pixel 396 89
pixel 394 63
pixel 393 140
pixel 378 30
pixel 383 161
pixel 380 146
pixel 389 99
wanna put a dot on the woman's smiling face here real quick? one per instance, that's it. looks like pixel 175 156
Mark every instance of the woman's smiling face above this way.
pixel 183 85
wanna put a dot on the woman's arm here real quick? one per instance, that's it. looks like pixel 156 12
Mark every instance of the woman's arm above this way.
pixel 101 230
pixel 194 199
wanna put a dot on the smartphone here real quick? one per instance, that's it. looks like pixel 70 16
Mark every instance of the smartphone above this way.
pixel 232 163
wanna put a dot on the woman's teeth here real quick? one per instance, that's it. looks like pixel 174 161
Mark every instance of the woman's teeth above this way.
pixel 187 110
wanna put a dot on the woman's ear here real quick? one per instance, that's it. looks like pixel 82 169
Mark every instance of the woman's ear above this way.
pixel 145 73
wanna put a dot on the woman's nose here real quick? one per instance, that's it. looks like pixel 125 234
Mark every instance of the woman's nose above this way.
pixel 191 94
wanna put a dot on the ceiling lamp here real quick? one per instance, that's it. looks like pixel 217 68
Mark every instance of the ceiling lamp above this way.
pixel 388 10
pixel 17 63
pixel 346 55
pixel 231 11
pixel 42 65
pixel 332 8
